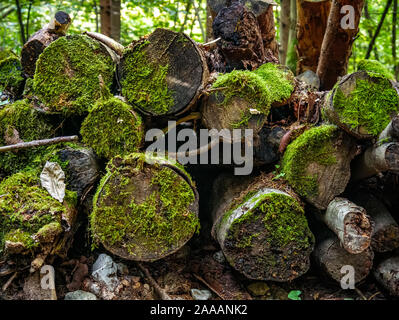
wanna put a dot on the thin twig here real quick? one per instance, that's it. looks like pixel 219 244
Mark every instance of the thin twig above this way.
pixel 161 292
pixel 210 42
pixel 209 286
pixel 360 294
pixel 38 143
pixel 9 281
pixel 374 295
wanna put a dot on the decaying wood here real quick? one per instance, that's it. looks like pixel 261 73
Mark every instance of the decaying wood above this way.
pixel 331 257
pixel 391 132
pixel 386 231
pixel 41 40
pixel 38 143
pixel 387 274
pixel 350 223
pixel 267 145
pixel 337 43
pixel 260 258
pixel 312 25
pixel 111 43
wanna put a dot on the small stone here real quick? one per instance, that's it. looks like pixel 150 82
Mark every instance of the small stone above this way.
pixel 146 286
pixel 105 270
pixel 219 257
pixel 80 295
pixel 258 289
pixel 201 294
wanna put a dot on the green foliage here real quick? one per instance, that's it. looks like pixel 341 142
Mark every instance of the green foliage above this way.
pixel 370 106
pixel 295 295
pixel 67 74
pixel 313 146
pixel 375 67
pixel 144 83
pixel 112 129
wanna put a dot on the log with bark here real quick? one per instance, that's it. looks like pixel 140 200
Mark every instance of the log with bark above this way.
pixel 145 208
pixel 385 236
pixel 350 223
pixel 362 104
pixel 261 228
pixel 337 43
pixel 312 25
pixel 391 132
pixel 41 40
pixel 317 164
pixel 163 74
pixel 387 275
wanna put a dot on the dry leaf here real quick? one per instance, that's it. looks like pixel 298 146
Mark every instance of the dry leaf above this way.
pixel 53 180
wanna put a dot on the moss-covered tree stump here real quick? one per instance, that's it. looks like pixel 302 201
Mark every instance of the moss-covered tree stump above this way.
pixel 362 104
pixel 31 221
pixel 261 228
pixel 112 128
pixel 11 79
pixel 242 99
pixel 67 74
pixel 145 208
pixel 317 164
pixel 163 74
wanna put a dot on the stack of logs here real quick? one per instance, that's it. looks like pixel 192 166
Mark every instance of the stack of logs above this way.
pixel 311 198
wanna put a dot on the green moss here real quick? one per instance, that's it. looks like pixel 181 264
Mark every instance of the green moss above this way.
pixel 112 128
pixel 67 74
pixel 25 208
pixel 370 105
pixel 313 146
pixel 10 74
pixel 374 67
pixel 144 82
pixel 157 222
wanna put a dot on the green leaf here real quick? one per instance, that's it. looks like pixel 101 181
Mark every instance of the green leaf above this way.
pixel 295 295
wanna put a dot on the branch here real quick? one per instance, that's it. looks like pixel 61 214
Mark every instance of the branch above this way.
pixel 38 143
pixel 161 292
pixel 21 24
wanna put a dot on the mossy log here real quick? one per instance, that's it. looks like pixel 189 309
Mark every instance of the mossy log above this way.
pixel 317 164
pixel 312 25
pixel 375 160
pixel 263 12
pixel 145 208
pixel 385 236
pixel 362 104
pixel 11 79
pixel 32 222
pixel 350 223
pixel 163 74
pixel 261 228
pixel 330 257
pixel 112 128
pixel 67 74
pixel 387 275
pixel 242 99
pixel 41 39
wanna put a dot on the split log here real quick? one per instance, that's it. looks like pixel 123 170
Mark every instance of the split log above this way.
pixel 362 104
pixel 261 228
pixel 391 132
pixel 350 223
pixel 387 275
pixel 337 43
pixel 385 236
pixel 331 257
pixel 267 144
pixel 163 74
pixel 263 12
pixel 67 73
pixel 41 40
pixel 145 208
pixel 375 160
pixel 317 164
pixel 312 25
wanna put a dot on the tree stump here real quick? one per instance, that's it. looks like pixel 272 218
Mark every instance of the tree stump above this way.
pixel 387 275
pixel 163 74
pixel 145 208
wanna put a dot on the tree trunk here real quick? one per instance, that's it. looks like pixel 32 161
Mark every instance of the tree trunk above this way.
pixel 386 231
pixel 284 30
pixel 387 274
pixel 115 20
pixel 337 44
pixel 145 208
pixel 247 228
pixel 105 17
pixel 163 74
pixel 350 223
pixel 41 40
pixel 292 55
pixel 331 257
pixel 312 25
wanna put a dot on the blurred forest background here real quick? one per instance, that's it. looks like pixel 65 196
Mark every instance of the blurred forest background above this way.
pixel 129 20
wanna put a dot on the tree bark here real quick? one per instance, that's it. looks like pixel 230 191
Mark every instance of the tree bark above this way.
pixel 115 20
pixel 337 44
pixel 386 231
pixel 387 275
pixel 391 132
pixel 41 40
pixel 250 244
pixel 312 25
pixel 105 17
pixel 350 223
pixel 292 55
pixel 284 30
